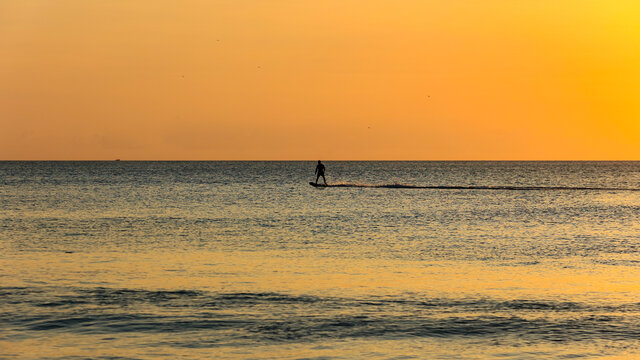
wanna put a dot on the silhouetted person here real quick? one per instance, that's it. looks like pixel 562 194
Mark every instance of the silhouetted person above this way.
pixel 320 172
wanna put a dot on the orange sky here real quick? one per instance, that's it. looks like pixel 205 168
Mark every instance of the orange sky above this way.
pixel 330 79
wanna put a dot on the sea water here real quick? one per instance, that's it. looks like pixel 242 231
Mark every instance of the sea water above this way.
pixel 245 260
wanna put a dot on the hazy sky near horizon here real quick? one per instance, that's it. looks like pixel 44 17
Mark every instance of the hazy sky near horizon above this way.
pixel 331 79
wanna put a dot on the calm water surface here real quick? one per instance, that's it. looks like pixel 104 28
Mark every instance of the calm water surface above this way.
pixel 245 260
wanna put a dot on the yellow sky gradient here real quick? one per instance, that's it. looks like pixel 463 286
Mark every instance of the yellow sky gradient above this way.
pixel 331 79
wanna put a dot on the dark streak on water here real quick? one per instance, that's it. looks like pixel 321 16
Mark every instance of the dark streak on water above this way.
pixel 460 187
pixel 225 318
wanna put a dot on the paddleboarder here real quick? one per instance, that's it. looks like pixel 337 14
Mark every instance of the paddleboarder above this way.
pixel 320 172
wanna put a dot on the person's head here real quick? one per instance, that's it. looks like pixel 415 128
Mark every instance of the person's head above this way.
pixel 319 162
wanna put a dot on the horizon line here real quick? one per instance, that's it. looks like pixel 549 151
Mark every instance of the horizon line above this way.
pixel 314 160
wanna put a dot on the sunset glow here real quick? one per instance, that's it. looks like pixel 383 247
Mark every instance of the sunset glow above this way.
pixel 291 79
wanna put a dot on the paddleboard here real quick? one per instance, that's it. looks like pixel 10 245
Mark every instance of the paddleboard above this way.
pixel 317 185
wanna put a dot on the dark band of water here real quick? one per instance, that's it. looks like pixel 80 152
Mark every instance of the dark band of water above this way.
pixel 254 317
pixel 471 187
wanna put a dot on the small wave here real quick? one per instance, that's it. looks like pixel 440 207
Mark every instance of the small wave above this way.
pixel 287 325
pixel 475 187
pixel 241 317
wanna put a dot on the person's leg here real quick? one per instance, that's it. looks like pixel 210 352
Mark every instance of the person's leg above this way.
pixel 323 179
pixel 317 178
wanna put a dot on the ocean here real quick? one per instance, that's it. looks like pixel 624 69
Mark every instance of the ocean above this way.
pixel 246 260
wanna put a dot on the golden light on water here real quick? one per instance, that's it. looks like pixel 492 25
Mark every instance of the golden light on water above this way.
pixel 292 274
pixel 243 260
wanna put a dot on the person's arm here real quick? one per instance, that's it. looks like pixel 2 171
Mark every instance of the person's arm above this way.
pixel 315 172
